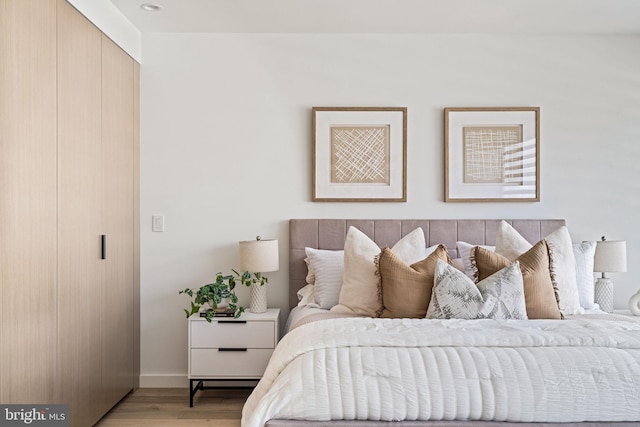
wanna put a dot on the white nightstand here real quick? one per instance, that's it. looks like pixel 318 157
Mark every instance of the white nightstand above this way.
pixel 230 349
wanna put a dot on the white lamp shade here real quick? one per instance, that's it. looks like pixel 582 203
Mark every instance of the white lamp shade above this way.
pixel 259 256
pixel 611 256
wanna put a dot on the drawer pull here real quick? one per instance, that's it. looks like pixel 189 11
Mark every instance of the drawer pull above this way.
pixel 232 349
pixel 232 321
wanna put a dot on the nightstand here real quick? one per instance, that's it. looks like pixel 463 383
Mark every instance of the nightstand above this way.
pixel 230 349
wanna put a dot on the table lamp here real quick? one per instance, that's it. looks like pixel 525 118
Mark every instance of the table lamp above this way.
pixel 258 257
pixel 610 257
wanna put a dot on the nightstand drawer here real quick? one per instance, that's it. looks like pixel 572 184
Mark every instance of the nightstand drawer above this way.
pixel 233 334
pixel 211 363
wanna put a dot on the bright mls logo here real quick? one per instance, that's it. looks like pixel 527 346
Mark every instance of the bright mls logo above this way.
pixel 34 415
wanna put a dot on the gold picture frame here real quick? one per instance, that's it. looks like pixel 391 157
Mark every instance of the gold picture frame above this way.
pixel 492 154
pixel 359 154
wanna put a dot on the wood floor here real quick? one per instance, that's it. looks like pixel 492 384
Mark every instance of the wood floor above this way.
pixel 165 407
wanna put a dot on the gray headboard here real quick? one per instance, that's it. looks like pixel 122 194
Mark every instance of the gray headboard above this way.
pixel 330 234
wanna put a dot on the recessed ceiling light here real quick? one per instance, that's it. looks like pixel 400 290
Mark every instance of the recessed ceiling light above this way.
pixel 150 7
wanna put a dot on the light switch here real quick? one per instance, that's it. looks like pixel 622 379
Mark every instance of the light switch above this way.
pixel 157 223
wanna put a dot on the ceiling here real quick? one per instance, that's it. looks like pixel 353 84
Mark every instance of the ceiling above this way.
pixel 387 16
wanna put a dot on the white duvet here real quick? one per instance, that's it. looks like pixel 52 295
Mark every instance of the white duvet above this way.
pixel 416 369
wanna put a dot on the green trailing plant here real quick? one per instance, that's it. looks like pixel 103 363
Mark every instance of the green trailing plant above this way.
pixel 249 279
pixel 213 294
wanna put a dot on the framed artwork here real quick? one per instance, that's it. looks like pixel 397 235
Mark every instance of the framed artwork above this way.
pixel 359 154
pixel 492 154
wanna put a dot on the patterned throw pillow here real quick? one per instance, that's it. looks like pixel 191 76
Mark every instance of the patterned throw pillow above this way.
pixel 455 296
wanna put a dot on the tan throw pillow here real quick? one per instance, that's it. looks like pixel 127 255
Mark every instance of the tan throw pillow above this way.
pixel 540 292
pixel 406 289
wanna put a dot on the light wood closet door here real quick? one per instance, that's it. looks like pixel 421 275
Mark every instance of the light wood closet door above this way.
pixel 118 155
pixel 27 201
pixel 80 207
pixel 136 224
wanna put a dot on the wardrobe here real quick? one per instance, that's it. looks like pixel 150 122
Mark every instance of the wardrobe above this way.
pixel 69 212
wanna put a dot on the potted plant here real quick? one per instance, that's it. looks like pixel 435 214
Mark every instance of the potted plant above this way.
pixel 214 294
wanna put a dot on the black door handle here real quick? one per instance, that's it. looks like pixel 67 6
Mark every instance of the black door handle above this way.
pixel 103 246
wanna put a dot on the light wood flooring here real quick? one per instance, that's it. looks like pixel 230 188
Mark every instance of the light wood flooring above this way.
pixel 170 407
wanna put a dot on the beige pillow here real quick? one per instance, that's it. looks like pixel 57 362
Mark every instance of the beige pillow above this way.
pixel 458 263
pixel 359 292
pixel 540 291
pixel 406 289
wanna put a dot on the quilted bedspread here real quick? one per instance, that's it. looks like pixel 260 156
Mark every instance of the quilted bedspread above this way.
pixel 417 369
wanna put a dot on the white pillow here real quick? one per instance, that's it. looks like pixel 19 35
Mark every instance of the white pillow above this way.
pixel 327 267
pixel 510 244
pixel 464 249
pixel 359 293
pixel 455 296
pixel 305 296
pixel 584 253
pixel 428 251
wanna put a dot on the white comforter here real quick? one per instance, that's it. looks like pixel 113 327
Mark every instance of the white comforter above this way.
pixel 410 369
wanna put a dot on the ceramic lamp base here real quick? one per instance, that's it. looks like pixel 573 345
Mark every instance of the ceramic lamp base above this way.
pixel 604 294
pixel 258 298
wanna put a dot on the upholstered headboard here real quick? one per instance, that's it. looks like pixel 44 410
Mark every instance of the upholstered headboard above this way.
pixel 330 234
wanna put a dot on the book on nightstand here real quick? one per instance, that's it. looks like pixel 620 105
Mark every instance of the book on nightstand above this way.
pixel 221 312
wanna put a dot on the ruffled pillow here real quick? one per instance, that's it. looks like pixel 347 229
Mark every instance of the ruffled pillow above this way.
pixel 464 249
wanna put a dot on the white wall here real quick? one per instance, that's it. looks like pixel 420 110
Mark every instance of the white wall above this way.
pixel 226 150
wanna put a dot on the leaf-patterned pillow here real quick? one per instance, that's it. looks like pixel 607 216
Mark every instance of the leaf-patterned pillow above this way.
pixel 455 296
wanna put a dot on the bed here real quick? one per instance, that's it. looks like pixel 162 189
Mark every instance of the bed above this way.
pixel 350 369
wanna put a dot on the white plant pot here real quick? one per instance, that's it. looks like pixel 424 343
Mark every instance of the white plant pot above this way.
pixel 223 304
pixel 258 298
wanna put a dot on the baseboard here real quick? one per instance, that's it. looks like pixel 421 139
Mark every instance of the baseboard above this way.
pixel 182 381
